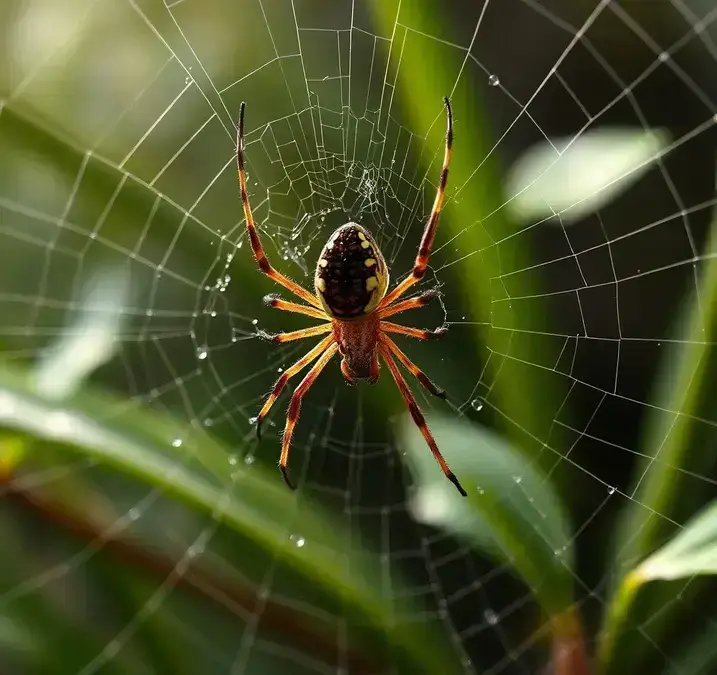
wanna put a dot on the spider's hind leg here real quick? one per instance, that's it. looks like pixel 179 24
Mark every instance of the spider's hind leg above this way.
pixel 284 378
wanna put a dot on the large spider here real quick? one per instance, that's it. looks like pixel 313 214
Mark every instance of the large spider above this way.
pixel 350 282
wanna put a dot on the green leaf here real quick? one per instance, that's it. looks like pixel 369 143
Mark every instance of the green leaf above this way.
pixel 677 447
pixel 251 501
pixel 576 175
pixel 512 511
pixel 692 551
pixel 506 329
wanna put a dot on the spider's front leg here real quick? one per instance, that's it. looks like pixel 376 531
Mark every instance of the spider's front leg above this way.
pixel 256 246
pixel 429 233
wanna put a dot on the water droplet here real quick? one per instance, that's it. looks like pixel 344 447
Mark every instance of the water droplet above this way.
pixel 187 79
pixel 279 370
pixel 491 617
pixel 249 460
pixel 611 490
pixel 177 443
pixel 233 459
pixel 493 80
pixel 194 550
pixel 518 479
pixel 298 540
pixel 208 422
pixel 202 353
pixel 134 514
pixel 480 490
pixel 663 56
pixel 254 322
pixel 477 404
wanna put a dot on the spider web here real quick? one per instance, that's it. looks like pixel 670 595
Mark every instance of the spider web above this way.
pixel 152 91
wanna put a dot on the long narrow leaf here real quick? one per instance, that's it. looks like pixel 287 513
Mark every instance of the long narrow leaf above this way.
pixel 140 443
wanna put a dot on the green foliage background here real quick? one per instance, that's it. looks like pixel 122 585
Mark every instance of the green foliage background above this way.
pixel 126 550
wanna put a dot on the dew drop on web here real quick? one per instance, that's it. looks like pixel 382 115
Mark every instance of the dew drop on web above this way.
pixel 491 617
pixel 297 540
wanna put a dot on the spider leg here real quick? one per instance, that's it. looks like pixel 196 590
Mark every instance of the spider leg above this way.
pixel 276 302
pixel 295 406
pixel 420 333
pixel 413 368
pixel 284 378
pixel 417 416
pixel 429 233
pixel 418 301
pixel 300 334
pixel 258 250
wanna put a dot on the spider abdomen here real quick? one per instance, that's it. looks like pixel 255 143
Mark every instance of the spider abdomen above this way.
pixel 351 275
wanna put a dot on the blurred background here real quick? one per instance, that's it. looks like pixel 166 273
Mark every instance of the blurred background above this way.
pixel 125 269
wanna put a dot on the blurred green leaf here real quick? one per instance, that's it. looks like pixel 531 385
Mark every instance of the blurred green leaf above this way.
pixel 677 449
pixel 512 511
pixel 37 635
pixel 697 656
pixel 692 551
pixel 506 329
pixel 249 500
pixel 574 176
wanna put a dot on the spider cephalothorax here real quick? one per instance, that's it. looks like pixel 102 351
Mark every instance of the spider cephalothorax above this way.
pixel 350 296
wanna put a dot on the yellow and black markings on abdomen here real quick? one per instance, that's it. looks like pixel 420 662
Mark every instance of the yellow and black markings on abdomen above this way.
pixel 351 276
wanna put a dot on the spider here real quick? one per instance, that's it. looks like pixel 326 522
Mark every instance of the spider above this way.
pixel 350 284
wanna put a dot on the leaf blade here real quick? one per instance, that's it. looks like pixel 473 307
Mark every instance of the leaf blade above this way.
pixel 511 513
